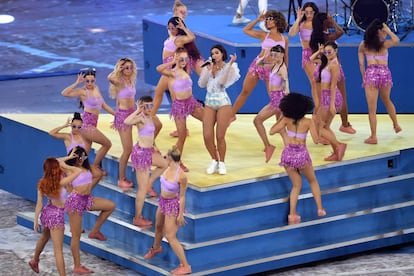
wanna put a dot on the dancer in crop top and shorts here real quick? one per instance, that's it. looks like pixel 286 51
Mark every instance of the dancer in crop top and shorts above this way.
pixel 144 155
pixel 178 36
pixel 377 77
pixel 295 156
pixel 184 104
pixel 304 26
pixel 170 211
pixel 56 177
pixel 74 138
pixel 216 77
pixel 277 89
pixel 276 23
pixel 92 102
pixel 80 200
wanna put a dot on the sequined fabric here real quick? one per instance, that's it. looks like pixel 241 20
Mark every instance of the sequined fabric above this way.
pixel 169 206
pixel 76 203
pixel 377 76
pixel 326 99
pixel 262 72
pixel 141 158
pixel 120 116
pixel 306 54
pixel 181 108
pixel 295 156
pixel 275 98
pixel 52 217
pixel 90 121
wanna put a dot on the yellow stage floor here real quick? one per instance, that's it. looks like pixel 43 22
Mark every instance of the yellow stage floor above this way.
pixel 245 157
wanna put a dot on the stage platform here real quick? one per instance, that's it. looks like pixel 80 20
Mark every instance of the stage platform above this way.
pixel 245 158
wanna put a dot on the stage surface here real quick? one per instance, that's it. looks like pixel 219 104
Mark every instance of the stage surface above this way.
pixel 245 159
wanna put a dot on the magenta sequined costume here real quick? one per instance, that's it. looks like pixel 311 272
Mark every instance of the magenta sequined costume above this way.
pixel 306 54
pixel 170 206
pixel 141 157
pixel 262 72
pixel 52 217
pixel 76 203
pixel 275 98
pixel 377 76
pixel 295 156
pixel 120 116
pixel 90 121
pixel 181 108
pixel 341 72
pixel 326 99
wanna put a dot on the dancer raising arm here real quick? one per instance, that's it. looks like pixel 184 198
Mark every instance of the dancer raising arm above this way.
pixel 57 176
pixel 92 102
pixel 295 156
pixel 170 211
pixel 276 23
pixel 74 138
pixel 184 104
pixel 216 77
pixel 277 89
pixel 144 155
pixel 377 76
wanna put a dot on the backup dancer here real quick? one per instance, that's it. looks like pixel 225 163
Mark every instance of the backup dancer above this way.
pixel 144 155
pixel 74 138
pixel 295 156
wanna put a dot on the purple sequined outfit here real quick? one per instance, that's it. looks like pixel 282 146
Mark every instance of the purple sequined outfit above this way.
pixel 76 203
pixel 295 156
pixel 120 116
pixel 306 54
pixel 170 206
pixel 181 108
pixel 275 98
pixel 52 217
pixel 326 99
pixel 90 121
pixel 141 157
pixel 341 72
pixel 377 76
pixel 262 72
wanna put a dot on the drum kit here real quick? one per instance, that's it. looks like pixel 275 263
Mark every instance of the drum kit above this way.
pixel 362 12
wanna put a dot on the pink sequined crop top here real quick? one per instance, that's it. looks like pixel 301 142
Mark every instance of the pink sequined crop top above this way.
pixel 297 135
pixel 168 186
pixel 275 79
pixel 147 130
pixel 304 34
pixel 128 92
pixel 84 178
pixel 169 45
pixel 73 144
pixel 182 85
pixel 61 196
pixel 325 76
pixel 378 57
pixel 268 43
pixel 92 102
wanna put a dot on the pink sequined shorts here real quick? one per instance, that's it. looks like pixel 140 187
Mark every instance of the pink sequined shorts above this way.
pixel 326 99
pixel 306 54
pixel 76 203
pixel 90 121
pixel 295 156
pixel 52 217
pixel 169 206
pixel 377 76
pixel 120 116
pixel 275 98
pixel 262 72
pixel 141 158
pixel 181 108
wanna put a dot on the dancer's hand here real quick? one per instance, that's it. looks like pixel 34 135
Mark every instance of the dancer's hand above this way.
pixel 180 220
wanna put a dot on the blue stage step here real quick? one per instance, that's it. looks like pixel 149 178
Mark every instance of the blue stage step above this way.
pixel 369 201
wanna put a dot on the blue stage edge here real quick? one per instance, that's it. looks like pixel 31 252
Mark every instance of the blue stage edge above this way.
pixel 213 29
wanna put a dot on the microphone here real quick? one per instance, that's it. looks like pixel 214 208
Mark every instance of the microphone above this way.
pixel 207 62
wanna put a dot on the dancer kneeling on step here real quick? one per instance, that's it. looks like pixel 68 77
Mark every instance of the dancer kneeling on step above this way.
pixel 170 212
pixel 144 155
pixel 295 156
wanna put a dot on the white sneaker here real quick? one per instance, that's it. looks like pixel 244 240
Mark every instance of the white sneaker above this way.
pixel 212 168
pixel 263 26
pixel 240 20
pixel 221 168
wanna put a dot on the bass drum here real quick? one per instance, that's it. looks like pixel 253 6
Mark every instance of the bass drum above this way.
pixel 365 11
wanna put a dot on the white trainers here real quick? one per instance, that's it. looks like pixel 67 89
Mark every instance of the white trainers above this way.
pixel 240 20
pixel 262 26
pixel 213 167
pixel 221 168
